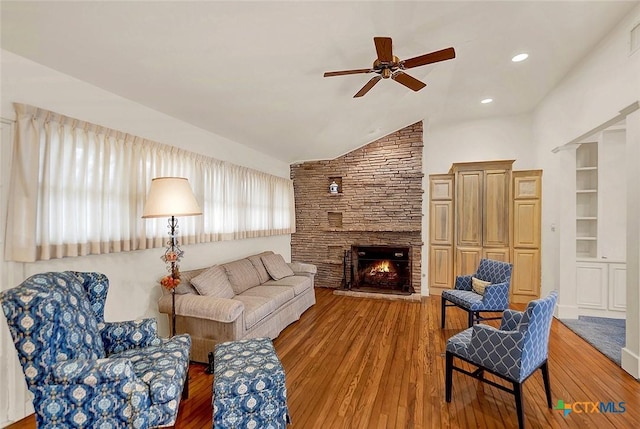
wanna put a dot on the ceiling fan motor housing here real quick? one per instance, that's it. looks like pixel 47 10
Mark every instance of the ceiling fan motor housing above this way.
pixel 385 69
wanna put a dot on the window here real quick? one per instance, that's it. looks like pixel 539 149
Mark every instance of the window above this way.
pixel 79 189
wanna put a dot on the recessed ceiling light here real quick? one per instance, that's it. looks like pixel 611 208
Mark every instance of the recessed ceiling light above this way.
pixel 520 57
pixel 487 100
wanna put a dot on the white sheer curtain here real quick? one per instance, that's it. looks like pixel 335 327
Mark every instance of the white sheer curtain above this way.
pixel 79 188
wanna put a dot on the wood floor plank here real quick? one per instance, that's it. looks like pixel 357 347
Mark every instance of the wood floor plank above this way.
pixel 359 363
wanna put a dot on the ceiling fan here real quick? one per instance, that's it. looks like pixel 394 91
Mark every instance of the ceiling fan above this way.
pixel 388 65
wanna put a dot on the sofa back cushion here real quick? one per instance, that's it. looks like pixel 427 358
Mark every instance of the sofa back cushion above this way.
pixel 256 261
pixel 213 282
pixel 242 275
pixel 276 266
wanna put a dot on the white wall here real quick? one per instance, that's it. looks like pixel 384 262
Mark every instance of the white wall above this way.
pixel 134 287
pixel 605 82
pixel 507 137
pixel 602 84
pixel 481 140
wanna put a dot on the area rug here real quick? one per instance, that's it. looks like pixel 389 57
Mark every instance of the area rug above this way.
pixel 606 335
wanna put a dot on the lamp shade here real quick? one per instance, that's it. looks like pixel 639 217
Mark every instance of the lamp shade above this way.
pixel 170 196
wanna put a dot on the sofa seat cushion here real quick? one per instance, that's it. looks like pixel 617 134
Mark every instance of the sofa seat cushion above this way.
pixel 300 284
pixel 278 294
pixel 163 367
pixel 256 308
pixel 260 302
pixel 242 275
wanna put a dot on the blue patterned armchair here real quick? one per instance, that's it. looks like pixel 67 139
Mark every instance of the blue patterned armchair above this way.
pixel 494 297
pixel 512 353
pixel 85 372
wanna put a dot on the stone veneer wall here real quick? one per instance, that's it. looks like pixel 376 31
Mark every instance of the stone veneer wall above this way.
pixel 379 203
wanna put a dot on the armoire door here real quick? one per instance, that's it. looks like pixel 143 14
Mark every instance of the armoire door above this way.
pixel 468 202
pixel 525 280
pixel 496 200
pixel 441 220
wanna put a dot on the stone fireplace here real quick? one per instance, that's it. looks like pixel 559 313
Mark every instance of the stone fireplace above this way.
pixel 381 269
pixel 378 203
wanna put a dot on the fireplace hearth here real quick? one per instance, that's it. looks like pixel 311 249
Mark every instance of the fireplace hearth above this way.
pixel 381 269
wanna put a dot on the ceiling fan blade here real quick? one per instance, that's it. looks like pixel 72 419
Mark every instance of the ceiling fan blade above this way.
pixel 433 57
pixel 343 72
pixel 368 86
pixel 408 81
pixel 384 48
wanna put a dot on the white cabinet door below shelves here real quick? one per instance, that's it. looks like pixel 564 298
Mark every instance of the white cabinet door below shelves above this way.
pixel 602 288
pixel 591 279
pixel 618 287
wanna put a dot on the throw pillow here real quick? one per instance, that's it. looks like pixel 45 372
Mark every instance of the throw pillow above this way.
pixel 259 266
pixel 276 266
pixel 120 336
pixel 242 275
pixel 478 285
pixel 185 286
pixel 213 282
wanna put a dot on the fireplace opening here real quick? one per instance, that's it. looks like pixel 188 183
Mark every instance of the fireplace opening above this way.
pixel 381 269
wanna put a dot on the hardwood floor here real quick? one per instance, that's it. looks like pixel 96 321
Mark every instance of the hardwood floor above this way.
pixel 365 363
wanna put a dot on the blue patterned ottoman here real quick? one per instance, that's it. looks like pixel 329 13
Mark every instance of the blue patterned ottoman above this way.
pixel 249 386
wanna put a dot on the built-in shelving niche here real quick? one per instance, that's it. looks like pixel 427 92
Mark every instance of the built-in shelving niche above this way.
pixel 338 180
pixel 587 200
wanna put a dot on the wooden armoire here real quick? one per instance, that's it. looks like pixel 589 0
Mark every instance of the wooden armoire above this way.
pixel 485 210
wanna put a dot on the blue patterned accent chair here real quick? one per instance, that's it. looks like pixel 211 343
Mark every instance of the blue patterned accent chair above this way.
pixel 495 297
pixel 85 372
pixel 512 353
pixel 249 386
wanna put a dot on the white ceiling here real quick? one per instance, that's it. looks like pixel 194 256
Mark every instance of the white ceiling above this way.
pixel 252 71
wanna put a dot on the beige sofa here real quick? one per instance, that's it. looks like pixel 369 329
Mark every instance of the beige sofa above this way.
pixel 257 296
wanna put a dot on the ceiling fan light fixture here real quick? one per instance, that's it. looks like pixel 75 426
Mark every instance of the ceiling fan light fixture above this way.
pixel 520 57
pixel 486 100
pixel 387 65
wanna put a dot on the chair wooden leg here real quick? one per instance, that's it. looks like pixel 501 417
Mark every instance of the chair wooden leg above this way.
pixel 443 311
pixel 185 389
pixel 547 386
pixel 517 391
pixel 448 376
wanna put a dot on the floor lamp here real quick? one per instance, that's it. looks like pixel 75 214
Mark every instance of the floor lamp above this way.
pixel 171 197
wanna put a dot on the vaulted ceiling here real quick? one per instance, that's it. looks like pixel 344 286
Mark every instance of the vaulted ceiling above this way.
pixel 253 71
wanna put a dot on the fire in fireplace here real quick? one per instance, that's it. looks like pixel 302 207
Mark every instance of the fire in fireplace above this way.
pixel 384 269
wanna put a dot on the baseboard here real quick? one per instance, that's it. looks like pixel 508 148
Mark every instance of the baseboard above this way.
pixel 630 363
pixel 567 312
